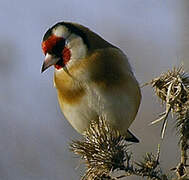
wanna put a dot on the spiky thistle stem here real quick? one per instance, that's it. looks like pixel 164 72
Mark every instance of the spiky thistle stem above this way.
pixel 105 151
pixel 172 88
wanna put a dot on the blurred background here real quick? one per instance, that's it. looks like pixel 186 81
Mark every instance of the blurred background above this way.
pixel 34 136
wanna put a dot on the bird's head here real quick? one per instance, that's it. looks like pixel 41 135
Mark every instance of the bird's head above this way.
pixel 64 43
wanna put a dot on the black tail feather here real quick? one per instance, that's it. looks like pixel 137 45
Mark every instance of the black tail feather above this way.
pixel 131 138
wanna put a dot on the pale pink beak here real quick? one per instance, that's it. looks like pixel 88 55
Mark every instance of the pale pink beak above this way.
pixel 49 61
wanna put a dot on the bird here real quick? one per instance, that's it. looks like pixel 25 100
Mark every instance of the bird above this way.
pixel 93 78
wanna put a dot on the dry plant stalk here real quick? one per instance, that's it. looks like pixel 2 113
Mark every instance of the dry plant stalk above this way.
pixel 172 88
pixel 104 151
pixel 149 166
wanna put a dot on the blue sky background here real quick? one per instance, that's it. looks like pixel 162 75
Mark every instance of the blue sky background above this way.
pixel 34 135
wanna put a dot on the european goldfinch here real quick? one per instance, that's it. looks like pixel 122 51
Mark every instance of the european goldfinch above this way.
pixel 93 78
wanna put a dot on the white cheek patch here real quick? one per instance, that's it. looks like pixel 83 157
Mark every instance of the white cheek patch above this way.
pixel 76 46
pixel 78 50
pixel 61 31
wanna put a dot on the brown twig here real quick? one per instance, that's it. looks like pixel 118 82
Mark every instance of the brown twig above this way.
pixel 183 131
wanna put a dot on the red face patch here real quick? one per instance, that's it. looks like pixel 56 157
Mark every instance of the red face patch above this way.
pixel 66 55
pixel 48 44
pixel 57 66
pixel 51 43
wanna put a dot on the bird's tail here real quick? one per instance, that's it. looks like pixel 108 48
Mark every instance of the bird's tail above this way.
pixel 131 138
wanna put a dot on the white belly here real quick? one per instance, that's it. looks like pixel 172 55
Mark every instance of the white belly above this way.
pixel 117 109
pixel 79 116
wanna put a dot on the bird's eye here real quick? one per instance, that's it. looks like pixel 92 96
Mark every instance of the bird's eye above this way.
pixel 58 47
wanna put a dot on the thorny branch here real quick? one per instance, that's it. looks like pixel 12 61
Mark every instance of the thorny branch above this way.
pixel 105 151
pixel 172 88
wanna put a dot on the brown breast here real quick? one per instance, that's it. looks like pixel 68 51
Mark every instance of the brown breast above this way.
pixel 69 90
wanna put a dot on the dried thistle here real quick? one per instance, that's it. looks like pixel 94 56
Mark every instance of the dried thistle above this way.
pixel 149 166
pixel 172 88
pixel 103 150
pixel 183 132
pixel 183 126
